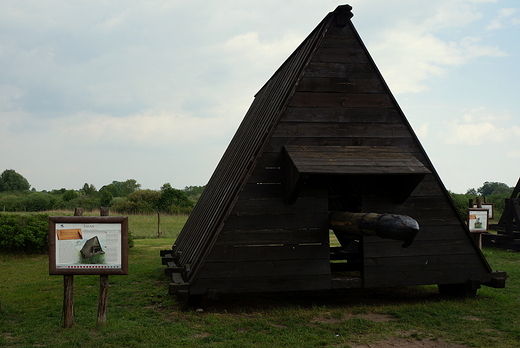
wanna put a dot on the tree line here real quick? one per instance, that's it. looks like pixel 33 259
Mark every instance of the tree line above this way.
pixel 125 197
pixel 492 192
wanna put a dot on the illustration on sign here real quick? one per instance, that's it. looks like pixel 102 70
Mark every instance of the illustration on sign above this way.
pixel 88 245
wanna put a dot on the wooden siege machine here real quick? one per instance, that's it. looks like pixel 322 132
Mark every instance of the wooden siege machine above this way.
pixel 508 227
pixel 323 134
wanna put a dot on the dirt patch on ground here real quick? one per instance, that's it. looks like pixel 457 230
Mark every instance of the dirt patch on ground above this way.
pixel 407 343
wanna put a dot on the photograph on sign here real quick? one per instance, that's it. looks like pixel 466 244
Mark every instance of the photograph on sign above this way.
pixel 477 219
pixel 88 245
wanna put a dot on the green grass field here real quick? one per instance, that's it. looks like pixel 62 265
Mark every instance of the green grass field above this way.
pixel 142 314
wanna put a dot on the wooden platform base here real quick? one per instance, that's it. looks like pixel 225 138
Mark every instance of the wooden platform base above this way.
pixel 502 241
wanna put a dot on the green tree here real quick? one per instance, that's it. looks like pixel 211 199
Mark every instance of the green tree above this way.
pixel 194 192
pixel 114 190
pixel 172 197
pixel 490 188
pixel 89 190
pixel 129 186
pixel 69 195
pixel 106 198
pixel 121 188
pixel 139 202
pixel 472 192
pixel 38 201
pixel 12 181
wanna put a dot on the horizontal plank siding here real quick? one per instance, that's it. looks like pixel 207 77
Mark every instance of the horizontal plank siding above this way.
pixel 276 143
pixel 273 236
pixel 262 284
pixel 341 114
pixel 341 85
pixel 334 69
pixel 273 221
pixel 333 130
pixel 265 268
pixel 422 270
pixel 226 253
pixel 420 247
pixel 352 100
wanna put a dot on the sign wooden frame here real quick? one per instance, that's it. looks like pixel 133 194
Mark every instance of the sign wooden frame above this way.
pixel 490 207
pixel 478 219
pixel 88 245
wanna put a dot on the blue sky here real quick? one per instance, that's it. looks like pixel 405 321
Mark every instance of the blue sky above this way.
pixel 96 91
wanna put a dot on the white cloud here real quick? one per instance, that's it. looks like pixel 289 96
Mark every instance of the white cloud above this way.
pixel 513 154
pixel 149 129
pixel 480 126
pixel 415 50
pixel 410 56
pixel 501 19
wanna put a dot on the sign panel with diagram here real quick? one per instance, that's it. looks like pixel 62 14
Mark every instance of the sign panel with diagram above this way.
pixel 478 220
pixel 88 245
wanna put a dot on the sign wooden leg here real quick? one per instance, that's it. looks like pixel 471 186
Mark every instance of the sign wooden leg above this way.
pixel 103 299
pixel 68 301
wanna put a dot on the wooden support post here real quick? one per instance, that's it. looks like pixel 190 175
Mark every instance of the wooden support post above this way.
pixel 68 301
pixel 68 290
pixel 478 236
pixel 103 285
pixel 103 300
pixel 159 233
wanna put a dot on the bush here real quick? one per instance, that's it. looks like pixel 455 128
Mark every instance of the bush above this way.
pixel 24 233
pixel 138 202
pixel 11 202
pixel 461 202
pixel 38 202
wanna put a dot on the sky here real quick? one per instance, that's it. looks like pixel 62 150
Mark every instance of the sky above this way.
pixel 101 91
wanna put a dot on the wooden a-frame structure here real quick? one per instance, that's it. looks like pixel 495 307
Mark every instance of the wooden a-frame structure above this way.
pixel 324 133
pixel 508 227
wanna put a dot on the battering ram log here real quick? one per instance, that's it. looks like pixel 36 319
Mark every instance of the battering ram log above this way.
pixel 391 226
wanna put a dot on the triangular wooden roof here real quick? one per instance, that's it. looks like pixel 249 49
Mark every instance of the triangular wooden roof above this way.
pixel 329 92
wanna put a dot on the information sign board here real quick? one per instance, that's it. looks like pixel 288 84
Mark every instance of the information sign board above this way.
pixel 88 245
pixel 477 220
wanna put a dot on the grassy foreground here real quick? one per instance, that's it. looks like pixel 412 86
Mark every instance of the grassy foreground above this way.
pixel 142 314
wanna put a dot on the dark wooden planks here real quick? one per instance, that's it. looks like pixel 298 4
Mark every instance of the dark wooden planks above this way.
pixel 333 130
pixel 352 100
pixel 262 284
pixel 264 268
pixel 341 114
pixel 341 85
pixel 423 269
pixel 353 160
pixel 273 236
pixel 237 252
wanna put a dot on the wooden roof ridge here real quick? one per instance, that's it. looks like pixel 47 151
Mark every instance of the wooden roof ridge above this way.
pixel 215 204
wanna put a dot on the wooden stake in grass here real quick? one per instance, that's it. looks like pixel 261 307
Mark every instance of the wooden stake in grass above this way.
pixel 159 233
pixel 68 301
pixel 103 286
pixel 103 300
pixel 68 290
